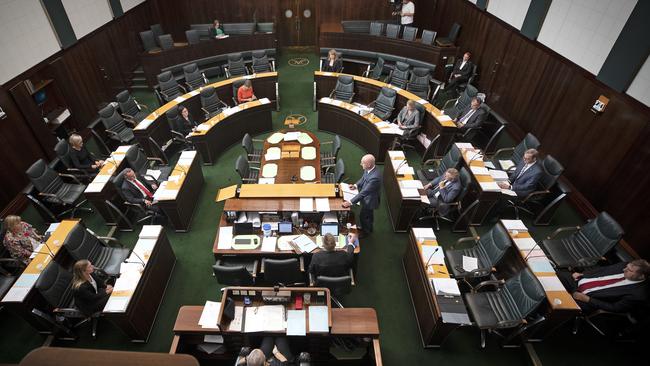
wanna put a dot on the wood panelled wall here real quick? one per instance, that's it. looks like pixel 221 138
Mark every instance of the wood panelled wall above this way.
pixel 333 11
pixel 606 156
pixel 90 72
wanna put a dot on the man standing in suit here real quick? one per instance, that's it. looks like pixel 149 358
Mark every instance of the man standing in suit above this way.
pixel 524 179
pixel 618 288
pixel 461 72
pixel 442 190
pixel 369 187
pixel 472 117
pixel 137 190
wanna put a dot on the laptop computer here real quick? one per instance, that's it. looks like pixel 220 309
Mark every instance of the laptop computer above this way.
pixel 329 228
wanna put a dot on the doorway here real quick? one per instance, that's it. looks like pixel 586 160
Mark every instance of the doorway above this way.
pixel 297 23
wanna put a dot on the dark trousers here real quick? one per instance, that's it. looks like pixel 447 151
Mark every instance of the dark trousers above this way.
pixel 281 342
pixel 454 81
pixel 367 216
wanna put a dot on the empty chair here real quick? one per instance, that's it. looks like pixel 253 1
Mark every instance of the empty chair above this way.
pixel 168 88
pixel 142 164
pixel 487 136
pixel 261 62
pixel 344 89
pixel 194 78
pixel 450 160
pixel 459 104
pixel 192 36
pixel 157 30
pixel 376 71
pixel 400 75
pixel 409 33
pixel 428 37
pixel 551 172
pixel 211 105
pixel 376 29
pixel 384 104
pixel 330 157
pixel 254 153
pixel 51 190
pixel 166 42
pixel 235 271
pixel 149 41
pixel 115 125
pixel 338 286
pixel 248 174
pixel 81 244
pixel 333 176
pixel 392 30
pixel 236 65
pixel 10 270
pixel 130 108
pixel 283 272
pixel 451 37
pixel 267 27
pixel 587 245
pixel 419 82
pixel 516 153
pixel 512 305
pixel 489 249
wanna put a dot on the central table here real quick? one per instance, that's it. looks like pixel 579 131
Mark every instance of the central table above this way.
pixel 292 158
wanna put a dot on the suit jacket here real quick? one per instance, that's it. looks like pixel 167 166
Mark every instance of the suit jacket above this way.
pixel 475 120
pixel 87 300
pixel 448 194
pixel 464 72
pixel 132 193
pixel 336 263
pixel 369 187
pixel 411 123
pixel 337 67
pixel 619 299
pixel 81 159
pixel 527 183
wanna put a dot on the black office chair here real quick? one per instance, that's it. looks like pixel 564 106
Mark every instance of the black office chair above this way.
pixel 166 42
pixel 614 325
pixel 549 203
pixel 376 29
pixel 438 166
pixel 486 137
pixel 211 105
pixel 489 249
pixel 131 110
pixel 338 286
pixel 55 286
pixel 62 149
pixel 384 105
pixel 248 173
pixel 51 191
pixel 10 270
pixel 157 31
pixel 236 65
pixel 400 75
pixel 454 107
pixel 177 129
pixel 123 212
pixel 231 271
pixel 140 163
pixel 517 152
pixel 344 89
pixel 551 172
pixel 284 272
pixel 168 88
pixel 261 62
pixel 330 157
pixel 470 132
pixel 512 306
pixel 452 212
pixel 392 30
pixel 194 78
pixel 149 41
pixel 82 244
pixel 192 36
pixel 451 37
pixel 409 33
pixel 376 71
pixel 471 80
pixel 336 175
pixel 587 245
pixel 235 88
pixel 428 37
pixel 115 125
pixel 419 82
pixel 253 153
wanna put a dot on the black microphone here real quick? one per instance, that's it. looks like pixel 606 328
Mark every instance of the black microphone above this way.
pixel 530 251
pixel 49 249
pixel 48 253
pixel 400 165
pixel 137 256
pixel 431 256
pixel 477 154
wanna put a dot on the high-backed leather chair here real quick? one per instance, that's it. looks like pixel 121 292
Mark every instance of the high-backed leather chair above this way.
pixel 587 245
pixel 123 213
pixel 392 30
pixel 376 29
pixel 516 153
pixel 248 173
pixel 428 37
pixel 235 87
pixel 399 76
pixel 418 83
pixel 450 160
pixel 551 172
pixel 344 89
pixel 236 65
pixel 253 153
pixel 409 33
pixel 166 42
pixel 168 88
pixel 487 137
pixel 455 212
pixel 328 157
pixel 140 163
pixel 115 125
pixel 157 31
pixel 284 272
pixel 459 104
pixel 192 36
pixel 235 272
pixel 177 128
pixel 451 37
pixel 261 62
pixel 149 41
pixel 338 286
pixel 336 175
pixel 81 244
pixel 194 78
pixel 211 105
pixel 131 110
pixel 377 69
pixel 385 103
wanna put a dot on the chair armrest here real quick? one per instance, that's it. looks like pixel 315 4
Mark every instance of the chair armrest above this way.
pixel 70 176
pixel 143 106
pixel 467 238
pixel 500 151
pixel 178 134
pixel 182 87
pixel 108 239
pixel 151 159
pixel 69 312
pixel 495 283
pixel 562 229
pixel 331 93
pixel 535 194
pixel 302 263
pixel 444 106
pixel 312 280
pixel 372 103
pixel 255 266
pixel 432 162
pixel 257 140
pixel 45 194
pixel 253 167
pixel 205 111
pixel 351 272
pixel 510 323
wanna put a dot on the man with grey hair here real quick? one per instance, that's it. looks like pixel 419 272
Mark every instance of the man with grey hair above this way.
pixel 523 181
pixel 369 188
pixel 137 190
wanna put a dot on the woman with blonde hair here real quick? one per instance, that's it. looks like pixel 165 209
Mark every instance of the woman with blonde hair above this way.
pixel 333 62
pixel 21 239
pixel 90 292
pixel 80 156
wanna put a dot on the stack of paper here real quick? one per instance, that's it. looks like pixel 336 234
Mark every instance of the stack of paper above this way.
pixel 323 205
pixel 296 323
pixel 210 315
pixel 498 175
pixel 348 193
pixel 405 169
pixel 411 183
pixel 396 155
pixel 269 243
pixel 318 319
pixel 445 286
pixel 506 164
pixel 511 225
pixel 306 204
pixel 305 244
pixel 410 192
pixel 490 186
pixel 225 238
pixel 424 233
pixel 551 283
pixel 150 231
pixel 525 243
pixel 479 170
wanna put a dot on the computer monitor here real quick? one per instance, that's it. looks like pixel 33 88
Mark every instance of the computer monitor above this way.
pixel 329 228
pixel 285 227
pixel 243 228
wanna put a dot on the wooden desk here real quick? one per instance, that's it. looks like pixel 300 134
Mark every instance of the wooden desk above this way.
pixel 398 47
pixel 283 190
pixel 152 63
pixel 155 125
pixel 56 356
pixel 134 310
pixel 479 194
pixel 401 210
pixel 346 122
pixel 292 160
pixel 427 305
pixel 179 195
pixel 22 297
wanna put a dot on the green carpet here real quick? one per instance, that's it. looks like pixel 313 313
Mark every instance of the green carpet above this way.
pixel 380 278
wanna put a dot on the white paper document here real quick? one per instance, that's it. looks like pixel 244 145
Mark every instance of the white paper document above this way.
pixel 225 238
pixel 154 173
pixel 16 294
pixel 236 323
pixel 443 118
pixel 525 243
pixel 266 318
pixel 306 204
pixel 348 194
pixel 213 338
pixel 540 264
pixel 203 127
pixel 455 318
pixel 511 225
pixel 305 243
pixel 424 233
pixel 445 286
pixel 406 170
pixel 410 192
pixel 117 304
pixel 509 192
pixel 498 175
pixel 479 170
pixel 490 186
pixel 318 319
pixel 396 153
pixel 322 204
pixel 411 183
pixel 296 323
pixel 291 136
pixel 210 315
pixel 506 164
pixel 432 254
pixel 150 231
pixel 470 263
pixel 551 283
pixel 179 99
pixel 489 165
pixel 266 181
pixel 269 243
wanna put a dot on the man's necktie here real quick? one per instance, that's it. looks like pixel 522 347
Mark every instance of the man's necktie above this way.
pixel 143 188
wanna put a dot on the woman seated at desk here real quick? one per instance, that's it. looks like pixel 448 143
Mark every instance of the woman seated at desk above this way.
pixel 333 62
pixel 216 30
pixel 21 239
pixel 407 120
pixel 90 292
pixel 245 92
pixel 189 124
pixel 273 351
pixel 80 156
pixel 331 262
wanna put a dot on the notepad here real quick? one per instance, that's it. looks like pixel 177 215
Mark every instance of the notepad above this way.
pixel 296 323
pixel 425 233
pixel 306 204
pixel 318 319
pixel 498 175
pixel 210 315
pixel 225 238
pixel 445 286
pixel 270 170
pixel 470 263
pixel 506 164
pixel 322 204
pixel 269 243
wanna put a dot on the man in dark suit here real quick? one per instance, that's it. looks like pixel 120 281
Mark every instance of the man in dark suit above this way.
pixel 461 72
pixel 472 117
pixel 137 190
pixel 331 262
pixel 526 176
pixel 442 190
pixel 617 288
pixel 369 187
